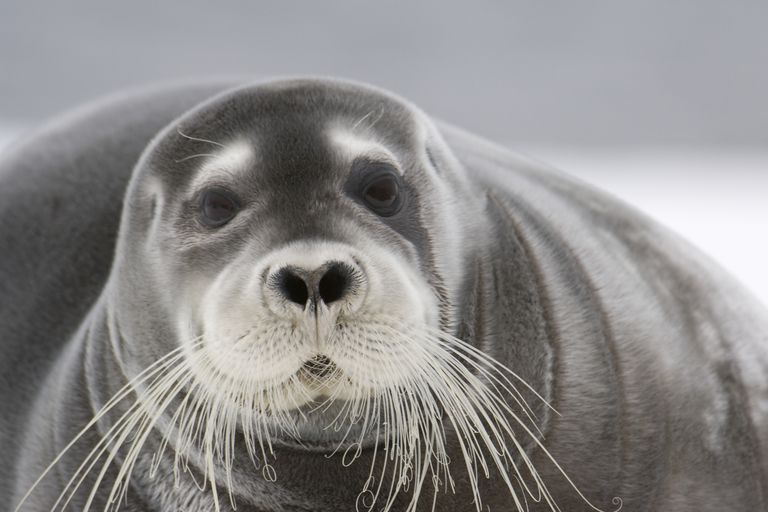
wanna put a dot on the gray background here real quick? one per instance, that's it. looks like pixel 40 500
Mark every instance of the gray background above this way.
pixel 662 102
pixel 570 72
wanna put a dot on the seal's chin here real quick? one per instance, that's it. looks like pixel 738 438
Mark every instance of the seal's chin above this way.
pixel 319 374
pixel 318 428
pixel 310 408
pixel 320 418
pixel 318 382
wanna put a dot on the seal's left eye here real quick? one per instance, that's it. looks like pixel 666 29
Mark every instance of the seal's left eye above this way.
pixel 218 207
pixel 382 191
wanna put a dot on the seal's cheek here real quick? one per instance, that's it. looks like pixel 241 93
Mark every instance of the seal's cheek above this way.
pixel 399 290
pixel 264 327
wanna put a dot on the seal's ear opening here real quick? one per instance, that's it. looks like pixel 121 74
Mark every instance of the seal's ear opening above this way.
pixel 432 160
pixel 143 205
pixel 510 321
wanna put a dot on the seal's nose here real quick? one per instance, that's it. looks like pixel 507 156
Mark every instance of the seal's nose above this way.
pixel 329 283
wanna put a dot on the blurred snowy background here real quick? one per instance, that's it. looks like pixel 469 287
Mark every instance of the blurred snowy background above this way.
pixel 663 103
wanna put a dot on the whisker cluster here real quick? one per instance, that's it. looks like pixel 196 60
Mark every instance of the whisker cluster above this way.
pixel 431 394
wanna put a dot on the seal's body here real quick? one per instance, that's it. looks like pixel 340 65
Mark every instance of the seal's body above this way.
pixel 310 277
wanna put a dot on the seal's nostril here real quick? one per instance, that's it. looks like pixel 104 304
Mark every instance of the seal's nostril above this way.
pixel 334 283
pixel 292 286
pixel 326 285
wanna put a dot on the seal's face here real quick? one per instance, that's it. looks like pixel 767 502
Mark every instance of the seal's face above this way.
pixel 298 255
pixel 322 273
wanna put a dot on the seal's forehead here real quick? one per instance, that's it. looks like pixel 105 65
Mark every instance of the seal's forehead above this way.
pixel 288 125
pixel 317 103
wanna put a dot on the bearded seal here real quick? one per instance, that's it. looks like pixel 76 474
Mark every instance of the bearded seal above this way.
pixel 306 295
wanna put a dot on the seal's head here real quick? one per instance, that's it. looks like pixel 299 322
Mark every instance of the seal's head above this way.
pixel 298 235
pixel 290 269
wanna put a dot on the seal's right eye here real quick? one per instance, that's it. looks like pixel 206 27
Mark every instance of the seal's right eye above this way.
pixel 218 207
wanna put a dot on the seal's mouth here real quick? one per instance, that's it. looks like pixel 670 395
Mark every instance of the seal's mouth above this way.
pixel 319 367
pixel 319 374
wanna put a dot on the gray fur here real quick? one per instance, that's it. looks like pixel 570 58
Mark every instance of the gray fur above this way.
pixel 655 359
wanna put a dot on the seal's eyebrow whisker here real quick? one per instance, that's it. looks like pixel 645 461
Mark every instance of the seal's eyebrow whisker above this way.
pixel 379 110
pixel 354 126
pixel 198 139
pixel 198 155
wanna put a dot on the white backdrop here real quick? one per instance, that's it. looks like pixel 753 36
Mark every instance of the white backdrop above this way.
pixel 716 199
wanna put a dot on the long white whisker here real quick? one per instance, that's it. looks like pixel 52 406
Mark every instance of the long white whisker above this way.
pixel 127 389
pixel 190 157
pixel 472 389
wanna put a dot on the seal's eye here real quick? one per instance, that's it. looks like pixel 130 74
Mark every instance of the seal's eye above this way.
pixel 381 191
pixel 218 207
